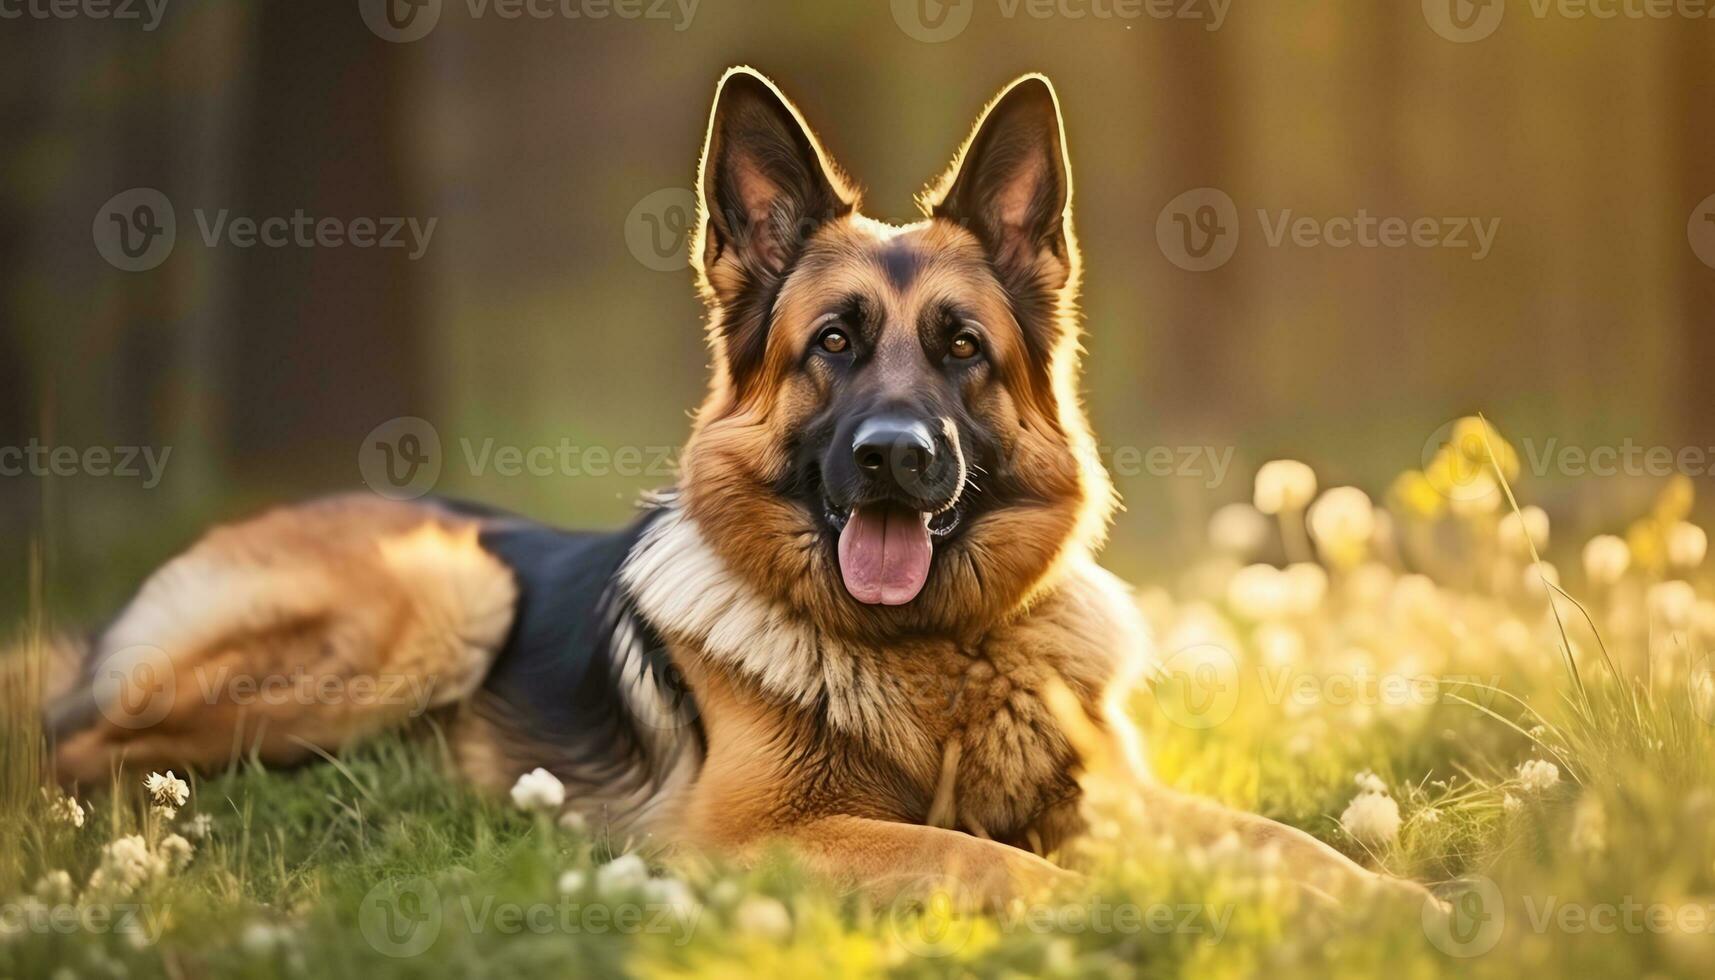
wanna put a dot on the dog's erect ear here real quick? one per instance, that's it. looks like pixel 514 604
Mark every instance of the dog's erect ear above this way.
pixel 765 187
pixel 1012 188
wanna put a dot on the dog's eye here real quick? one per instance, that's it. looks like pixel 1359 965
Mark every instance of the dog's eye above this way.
pixel 834 342
pixel 965 346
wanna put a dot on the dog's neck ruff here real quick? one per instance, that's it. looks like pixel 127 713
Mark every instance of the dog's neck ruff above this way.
pixel 687 591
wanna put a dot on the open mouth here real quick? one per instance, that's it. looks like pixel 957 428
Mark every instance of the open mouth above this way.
pixel 885 548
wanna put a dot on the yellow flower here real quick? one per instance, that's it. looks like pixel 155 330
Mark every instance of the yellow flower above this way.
pixel 1412 494
pixel 1463 468
pixel 1480 443
pixel 1674 504
pixel 1649 550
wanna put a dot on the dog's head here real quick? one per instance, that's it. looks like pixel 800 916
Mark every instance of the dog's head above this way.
pixel 893 440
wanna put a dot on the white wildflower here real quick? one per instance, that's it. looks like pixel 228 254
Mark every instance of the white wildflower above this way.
pixel 1539 580
pixel 126 865
pixel 261 938
pixel 1372 818
pixel 55 888
pixel 574 821
pixel 1368 585
pixel 1284 486
pixel 165 814
pixel 1369 782
pixel 1342 522
pixel 1278 646
pixel 66 810
pixel 624 873
pixel 1477 496
pixel 1606 559
pixel 538 789
pixel 199 826
pixel 1537 775
pixel 671 894
pixel 1259 592
pixel 176 851
pixel 168 790
pixel 759 915
pixel 1239 529
pixel 571 882
pixel 1520 529
pixel 1687 544
pixel 1672 603
pixel 1511 803
pixel 726 892
pixel 1429 816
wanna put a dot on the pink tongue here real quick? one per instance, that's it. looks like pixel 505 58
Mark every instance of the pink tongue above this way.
pixel 884 554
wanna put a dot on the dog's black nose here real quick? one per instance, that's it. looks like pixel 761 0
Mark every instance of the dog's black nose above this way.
pixel 891 447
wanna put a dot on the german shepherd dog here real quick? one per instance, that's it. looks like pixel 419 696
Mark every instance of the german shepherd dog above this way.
pixel 860 624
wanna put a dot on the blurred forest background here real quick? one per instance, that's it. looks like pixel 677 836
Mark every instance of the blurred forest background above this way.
pixel 530 319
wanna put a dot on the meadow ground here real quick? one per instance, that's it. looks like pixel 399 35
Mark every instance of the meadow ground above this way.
pixel 1405 682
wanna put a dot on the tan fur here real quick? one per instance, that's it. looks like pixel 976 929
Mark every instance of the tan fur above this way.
pixel 308 626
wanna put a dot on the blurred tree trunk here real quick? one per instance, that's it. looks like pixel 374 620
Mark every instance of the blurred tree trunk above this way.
pixel 1695 85
pixel 328 340
pixel 1201 314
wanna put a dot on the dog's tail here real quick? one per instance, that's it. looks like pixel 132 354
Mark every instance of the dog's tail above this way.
pixel 297 631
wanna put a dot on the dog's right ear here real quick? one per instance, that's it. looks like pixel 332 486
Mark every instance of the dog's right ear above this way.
pixel 764 187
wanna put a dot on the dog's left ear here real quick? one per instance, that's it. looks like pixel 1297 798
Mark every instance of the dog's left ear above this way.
pixel 1012 187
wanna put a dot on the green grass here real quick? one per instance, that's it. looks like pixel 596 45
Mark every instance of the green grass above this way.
pixel 327 870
